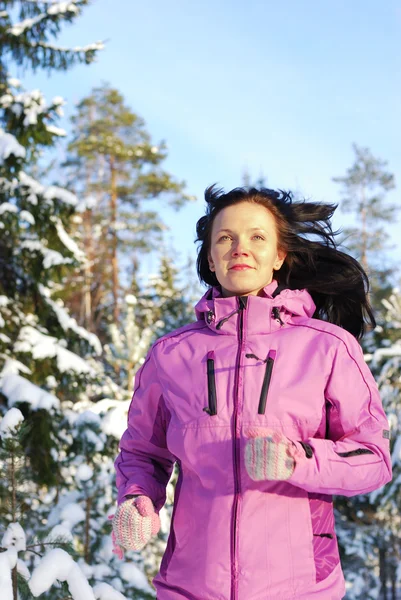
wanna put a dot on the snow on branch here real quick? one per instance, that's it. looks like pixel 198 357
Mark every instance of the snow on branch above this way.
pixel 13 541
pixel 58 8
pixel 57 565
pixel 31 104
pixel 56 130
pixel 19 28
pixel 43 346
pixel 8 561
pixel 18 389
pixel 69 242
pixel 49 192
pixel 8 207
pixel 88 48
pixel 14 536
pixel 10 145
pixel 10 424
pixel 51 258
pixel 68 322
pixel 104 591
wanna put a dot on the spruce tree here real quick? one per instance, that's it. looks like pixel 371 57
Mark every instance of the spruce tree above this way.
pixel 169 297
pixel 369 525
pixel 49 364
pixel 26 28
pixel 35 247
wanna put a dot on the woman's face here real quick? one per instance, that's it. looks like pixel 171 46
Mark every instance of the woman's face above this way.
pixel 243 249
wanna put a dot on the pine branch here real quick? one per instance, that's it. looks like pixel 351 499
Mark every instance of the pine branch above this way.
pixel 27 40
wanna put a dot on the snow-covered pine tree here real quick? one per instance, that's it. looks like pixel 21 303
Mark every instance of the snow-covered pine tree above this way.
pixel 38 337
pixel 369 526
pixel 48 563
pixel 164 302
pixel 168 299
pixel 42 349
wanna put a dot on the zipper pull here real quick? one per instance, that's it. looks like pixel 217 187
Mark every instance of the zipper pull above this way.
pixel 276 315
pixel 242 302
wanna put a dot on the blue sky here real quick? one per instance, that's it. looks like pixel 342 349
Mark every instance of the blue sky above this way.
pixel 282 89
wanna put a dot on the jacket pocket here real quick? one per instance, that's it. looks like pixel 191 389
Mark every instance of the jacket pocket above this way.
pixel 211 409
pixel 356 452
pixel 266 382
pixel 324 541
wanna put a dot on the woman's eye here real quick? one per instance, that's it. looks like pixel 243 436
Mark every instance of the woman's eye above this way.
pixel 259 237
pixel 223 238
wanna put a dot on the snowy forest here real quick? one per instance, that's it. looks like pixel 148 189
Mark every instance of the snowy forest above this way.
pixel 77 319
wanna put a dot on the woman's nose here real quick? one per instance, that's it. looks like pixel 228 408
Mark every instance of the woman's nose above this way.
pixel 239 248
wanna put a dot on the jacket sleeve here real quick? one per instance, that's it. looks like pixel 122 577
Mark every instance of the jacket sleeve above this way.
pixel 144 464
pixel 355 456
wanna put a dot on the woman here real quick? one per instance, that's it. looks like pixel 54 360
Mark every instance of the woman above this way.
pixel 265 403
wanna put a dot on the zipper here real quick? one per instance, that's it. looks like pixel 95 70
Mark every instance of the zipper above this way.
pixel 242 304
pixel 355 452
pixel 266 382
pixel 211 409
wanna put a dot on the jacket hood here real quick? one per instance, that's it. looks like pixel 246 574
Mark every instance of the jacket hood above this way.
pixel 265 313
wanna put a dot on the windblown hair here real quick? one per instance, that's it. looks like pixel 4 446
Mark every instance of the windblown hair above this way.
pixel 336 281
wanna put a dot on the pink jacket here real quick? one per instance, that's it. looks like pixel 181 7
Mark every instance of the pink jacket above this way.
pixel 253 361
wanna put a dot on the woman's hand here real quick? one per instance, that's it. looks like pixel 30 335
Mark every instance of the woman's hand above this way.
pixel 134 523
pixel 269 455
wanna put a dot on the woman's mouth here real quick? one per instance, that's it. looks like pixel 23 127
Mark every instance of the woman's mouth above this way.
pixel 240 268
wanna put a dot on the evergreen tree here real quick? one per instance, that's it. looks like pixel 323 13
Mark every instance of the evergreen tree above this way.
pixel 120 170
pixel 369 526
pixel 25 29
pixel 39 338
pixel 47 533
pixel 162 306
pixel 363 189
pixel 169 298
pixel 67 491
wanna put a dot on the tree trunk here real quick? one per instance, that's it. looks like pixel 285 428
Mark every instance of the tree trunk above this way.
pixel 383 573
pixel 14 580
pixel 87 530
pixel 364 237
pixel 113 225
pixel 88 272
pixel 14 517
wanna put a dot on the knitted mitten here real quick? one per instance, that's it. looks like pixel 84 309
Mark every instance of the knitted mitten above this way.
pixel 269 455
pixel 134 523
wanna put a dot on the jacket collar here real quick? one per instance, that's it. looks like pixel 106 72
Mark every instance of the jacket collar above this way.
pixel 263 314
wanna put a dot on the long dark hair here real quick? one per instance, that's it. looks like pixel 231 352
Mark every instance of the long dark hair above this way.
pixel 337 282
